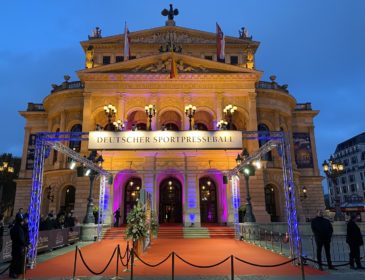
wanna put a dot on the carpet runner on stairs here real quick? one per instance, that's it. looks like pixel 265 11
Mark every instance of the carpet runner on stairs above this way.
pixel 114 233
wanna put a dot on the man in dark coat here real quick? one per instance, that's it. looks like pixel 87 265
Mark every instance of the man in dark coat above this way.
pixel 117 216
pixel 354 239
pixel 18 239
pixel 322 230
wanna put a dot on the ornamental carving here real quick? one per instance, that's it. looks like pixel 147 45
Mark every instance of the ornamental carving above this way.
pixel 164 66
pixel 171 36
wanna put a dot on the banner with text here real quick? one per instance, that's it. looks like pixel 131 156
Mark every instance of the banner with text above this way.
pixel 161 140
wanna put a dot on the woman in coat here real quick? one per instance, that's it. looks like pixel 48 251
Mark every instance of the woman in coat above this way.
pixel 354 239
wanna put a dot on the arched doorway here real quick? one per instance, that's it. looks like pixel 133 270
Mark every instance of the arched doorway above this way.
pixel 208 200
pixel 68 199
pixel 270 202
pixel 170 210
pixel 132 189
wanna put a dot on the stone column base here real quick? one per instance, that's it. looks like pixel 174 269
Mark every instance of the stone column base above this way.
pixel 89 232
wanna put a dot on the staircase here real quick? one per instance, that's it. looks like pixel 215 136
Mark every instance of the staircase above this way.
pixel 171 232
pixel 221 232
pixel 196 232
pixel 113 233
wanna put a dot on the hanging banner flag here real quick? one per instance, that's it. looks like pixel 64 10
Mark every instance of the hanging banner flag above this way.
pixel 127 40
pixel 220 43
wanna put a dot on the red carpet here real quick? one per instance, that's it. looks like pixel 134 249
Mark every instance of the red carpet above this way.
pixel 196 251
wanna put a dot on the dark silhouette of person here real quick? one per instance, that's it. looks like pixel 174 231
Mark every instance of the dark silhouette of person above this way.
pixel 18 248
pixel 322 230
pixel 20 214
pixel 117 217
pixel 354 239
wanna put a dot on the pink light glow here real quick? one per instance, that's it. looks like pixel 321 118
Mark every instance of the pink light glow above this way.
pixel 118 190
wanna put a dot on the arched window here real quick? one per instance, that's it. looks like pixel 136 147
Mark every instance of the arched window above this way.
pixel 208 200
pixel 76 144
pixel 270 202
pixel 55 152
pixel 170 126
pixel 200 126
pixel 264 134
pixel 68 199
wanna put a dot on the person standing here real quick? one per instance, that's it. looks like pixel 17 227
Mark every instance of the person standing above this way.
pixel 322 230
pixel 354 239
pixel 17 265
pixel 117 217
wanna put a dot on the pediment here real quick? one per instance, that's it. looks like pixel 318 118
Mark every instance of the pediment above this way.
pixel 165 34
pixel 162 64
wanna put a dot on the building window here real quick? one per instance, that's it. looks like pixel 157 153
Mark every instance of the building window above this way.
pixel 363 185
pixel 106 59
pixel 346 162
pixel 352 178
pixel 343 180
pixel 354 159
pixel 337 190
pixel 234 59
pixel 331 191
pixel 344 189
pixel 363 156
pixel 353 188
pixel 119 58
pixel 362 176
pixel 208 57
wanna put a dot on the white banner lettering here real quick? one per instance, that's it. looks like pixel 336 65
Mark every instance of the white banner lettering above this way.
pixel 171 140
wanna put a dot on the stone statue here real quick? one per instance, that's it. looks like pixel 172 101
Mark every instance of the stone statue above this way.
pixel 170 13
pixel 243 32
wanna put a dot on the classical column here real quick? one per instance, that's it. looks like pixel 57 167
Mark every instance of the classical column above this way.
pixel 219 108
pixel 252 120
pixel 314 151
pixel 87 121
pixel 62 128
pixel 121 108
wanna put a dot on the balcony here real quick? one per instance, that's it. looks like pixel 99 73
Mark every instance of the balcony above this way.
pixel 303 107
pixel 67 85
pixel 272 85
pixel 35 107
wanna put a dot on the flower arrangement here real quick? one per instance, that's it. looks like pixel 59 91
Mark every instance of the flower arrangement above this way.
pixel 136 223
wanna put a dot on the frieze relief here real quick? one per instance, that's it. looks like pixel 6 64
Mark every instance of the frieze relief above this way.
pixel 171 36
pixel 164 66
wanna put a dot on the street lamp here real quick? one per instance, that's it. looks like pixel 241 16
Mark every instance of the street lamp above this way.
pixel 150 112
pixel 190 112
pixel 222 125
pixel 247 171
pixel 82 171
pixel 110 112
pixel 333 170
pixel 118 125
pixel 228 112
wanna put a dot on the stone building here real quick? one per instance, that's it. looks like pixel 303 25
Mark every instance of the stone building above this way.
pixel 186 185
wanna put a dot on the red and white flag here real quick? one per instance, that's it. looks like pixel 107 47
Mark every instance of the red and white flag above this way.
pixel 220 43
pixel 127 40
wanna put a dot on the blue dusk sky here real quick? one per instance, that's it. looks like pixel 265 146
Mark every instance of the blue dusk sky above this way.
pixel 317 47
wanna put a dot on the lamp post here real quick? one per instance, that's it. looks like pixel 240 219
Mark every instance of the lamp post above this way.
pixel 228 112
pixel 222 125
pixel 247 171
pixel 82 171
pixel 110 112
pixel 150 112
pixel 190 112
pixel 333 169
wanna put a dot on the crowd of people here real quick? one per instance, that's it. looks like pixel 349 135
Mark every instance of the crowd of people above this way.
pixel 61 220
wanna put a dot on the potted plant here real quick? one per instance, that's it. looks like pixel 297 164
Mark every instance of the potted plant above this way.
pixel 137 229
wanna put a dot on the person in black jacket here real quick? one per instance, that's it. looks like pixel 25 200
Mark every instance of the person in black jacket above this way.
pixel 117 216
pixel 322 230
pixel 354 239
pixel 18 239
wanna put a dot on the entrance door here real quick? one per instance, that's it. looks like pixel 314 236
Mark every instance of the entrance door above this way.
pixel 270 202
pixel 131 195
pixel 208 200
pixel 170 210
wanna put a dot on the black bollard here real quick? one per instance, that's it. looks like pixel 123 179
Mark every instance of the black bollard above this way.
pixel 173 266
pixel 232 267
pixel 74 273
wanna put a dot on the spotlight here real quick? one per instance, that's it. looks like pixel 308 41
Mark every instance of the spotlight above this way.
pixel 72 165
pixel 88 171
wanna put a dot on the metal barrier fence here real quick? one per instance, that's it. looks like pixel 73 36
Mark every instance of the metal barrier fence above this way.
pixel 278 242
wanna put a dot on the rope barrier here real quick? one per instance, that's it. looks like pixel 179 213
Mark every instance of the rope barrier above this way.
pixel 90 270
pixel 265 265
pixel 153 265
pixel 202 266
pixel 326 264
